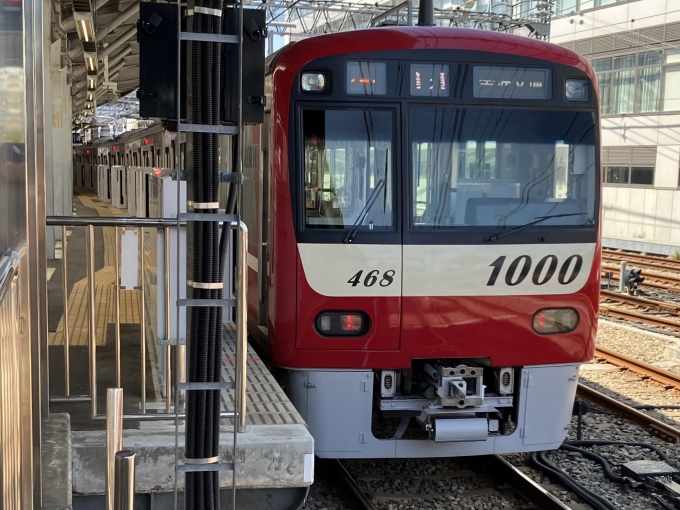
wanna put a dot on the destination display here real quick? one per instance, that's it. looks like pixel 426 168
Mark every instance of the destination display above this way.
pixel 367 78
pixel 512 82
pixel 429 80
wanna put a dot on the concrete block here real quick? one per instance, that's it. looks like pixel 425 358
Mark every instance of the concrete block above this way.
pixel 268 456
pixel 56 462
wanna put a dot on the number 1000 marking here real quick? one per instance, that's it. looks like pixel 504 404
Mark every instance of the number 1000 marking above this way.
pixel 519 269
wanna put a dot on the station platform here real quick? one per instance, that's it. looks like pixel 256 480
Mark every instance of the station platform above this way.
pixel 274 457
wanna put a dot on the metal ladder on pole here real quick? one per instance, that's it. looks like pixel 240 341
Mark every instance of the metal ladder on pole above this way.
pixel 208 213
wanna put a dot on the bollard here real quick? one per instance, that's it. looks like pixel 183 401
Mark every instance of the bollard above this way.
pixel 124 481
pixel 114 438
pixel 622 277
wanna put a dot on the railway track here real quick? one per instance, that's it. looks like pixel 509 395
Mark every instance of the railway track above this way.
pixel 506 477
pixel 668 379
pixel 648 261
pixel 650 424
pixel 648 311
pixel 661 306
pixel 656 281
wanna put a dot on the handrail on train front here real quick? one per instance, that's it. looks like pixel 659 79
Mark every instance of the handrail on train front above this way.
pixel 89 222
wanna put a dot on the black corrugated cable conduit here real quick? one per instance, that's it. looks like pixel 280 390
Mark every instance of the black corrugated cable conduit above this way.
pixel 204 343
pixel 540 461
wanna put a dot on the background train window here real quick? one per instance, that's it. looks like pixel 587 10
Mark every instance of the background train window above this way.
pixel 347 165
pixel 498 167
pixel 172 154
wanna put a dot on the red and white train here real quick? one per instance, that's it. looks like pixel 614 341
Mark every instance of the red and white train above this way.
pixel 424 215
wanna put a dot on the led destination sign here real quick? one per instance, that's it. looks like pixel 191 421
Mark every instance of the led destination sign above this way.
pixel 367 78
pixel 511 82
pixel 430 80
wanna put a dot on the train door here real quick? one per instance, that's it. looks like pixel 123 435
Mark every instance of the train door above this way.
pixel 263 220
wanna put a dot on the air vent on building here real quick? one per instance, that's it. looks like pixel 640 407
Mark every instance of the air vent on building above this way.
pixel 627 156
pixel 584 46
pixel 90 47
pixel 672 32
pixel 626 40
pixel 653 35
pixel 644 156
pixel 603 44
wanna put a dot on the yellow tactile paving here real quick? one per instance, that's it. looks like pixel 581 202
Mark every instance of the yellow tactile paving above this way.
pixel 104 292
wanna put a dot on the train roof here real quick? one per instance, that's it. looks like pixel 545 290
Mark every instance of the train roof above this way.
pixel 393 38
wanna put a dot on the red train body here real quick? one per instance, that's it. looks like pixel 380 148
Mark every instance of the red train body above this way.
pixel 456 304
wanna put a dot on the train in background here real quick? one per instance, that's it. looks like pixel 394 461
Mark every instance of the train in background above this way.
pixel 424 208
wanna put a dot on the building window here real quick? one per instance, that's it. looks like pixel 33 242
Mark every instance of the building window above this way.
pixel 593 4
pixel 636 175
pixel 632 166
pixel 644 82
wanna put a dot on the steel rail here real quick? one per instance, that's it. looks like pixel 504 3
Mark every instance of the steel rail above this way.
pixel 335 472
pixel 668 379
pixel 640 301
pixel 523 485
pixel 652 425
pixel 658 262
pixel 633 316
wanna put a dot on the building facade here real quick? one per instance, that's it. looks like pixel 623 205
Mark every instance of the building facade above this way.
pixel 634 47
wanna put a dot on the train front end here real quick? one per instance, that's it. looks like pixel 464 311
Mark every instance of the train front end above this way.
pixel 436 213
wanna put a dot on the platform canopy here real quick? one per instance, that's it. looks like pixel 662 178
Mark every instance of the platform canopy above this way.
pixel 100 49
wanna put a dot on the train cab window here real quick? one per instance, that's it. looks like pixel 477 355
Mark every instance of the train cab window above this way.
pixel 348 174
pixel 159 161
pixel 172 154
pixel 501 167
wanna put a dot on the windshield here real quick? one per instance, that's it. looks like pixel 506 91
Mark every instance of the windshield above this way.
pixel 501 167
pixel 347 156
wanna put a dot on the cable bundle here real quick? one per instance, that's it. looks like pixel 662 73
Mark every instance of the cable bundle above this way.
pixel 209 255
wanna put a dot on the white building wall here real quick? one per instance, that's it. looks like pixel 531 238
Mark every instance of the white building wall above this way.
pixel 613 19
pixel 643 215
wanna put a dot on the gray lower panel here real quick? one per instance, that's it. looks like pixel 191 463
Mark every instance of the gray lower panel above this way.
pixel 251 499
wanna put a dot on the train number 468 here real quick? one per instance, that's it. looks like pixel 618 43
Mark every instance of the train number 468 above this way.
pixel 543 272
pixel 373 277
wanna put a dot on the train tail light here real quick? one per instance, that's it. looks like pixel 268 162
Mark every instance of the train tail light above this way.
pixel 350 322
pixel 555 320
pixel 342 323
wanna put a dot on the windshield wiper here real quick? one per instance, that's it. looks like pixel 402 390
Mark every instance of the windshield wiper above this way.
pixel 364 212
pixel 534 222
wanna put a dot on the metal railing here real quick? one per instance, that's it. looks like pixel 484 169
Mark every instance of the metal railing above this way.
pixel 10 389
pixel 171 347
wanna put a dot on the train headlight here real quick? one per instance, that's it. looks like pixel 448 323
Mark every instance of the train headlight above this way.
pixel 576 90
pixel 342 323
pixel 314 82
pixel 555 320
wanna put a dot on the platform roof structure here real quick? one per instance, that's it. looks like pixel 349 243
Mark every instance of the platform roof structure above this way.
pixel 100 49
